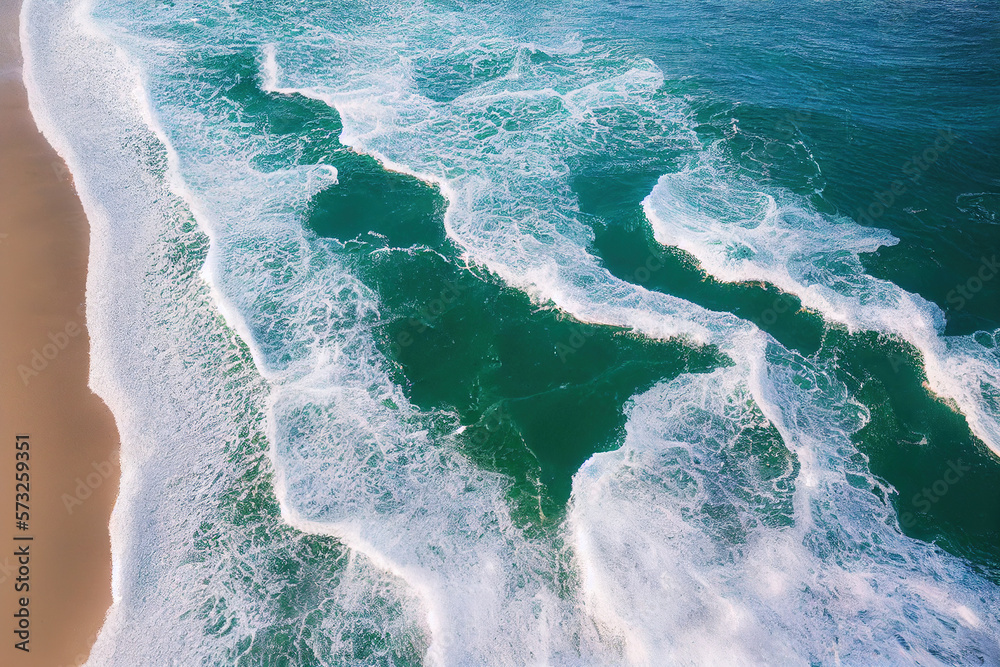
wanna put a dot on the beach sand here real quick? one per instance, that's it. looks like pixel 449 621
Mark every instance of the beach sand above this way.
pixel 44 363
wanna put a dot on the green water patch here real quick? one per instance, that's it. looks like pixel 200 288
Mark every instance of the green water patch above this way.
pixel 527 378
pixel 299 130
pixel 303 131
pixel 948 482
pixel 534 393
pixel 933 186
pixel 611 197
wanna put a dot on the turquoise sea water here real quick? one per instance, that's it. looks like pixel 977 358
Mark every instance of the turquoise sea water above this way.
pixel 548 332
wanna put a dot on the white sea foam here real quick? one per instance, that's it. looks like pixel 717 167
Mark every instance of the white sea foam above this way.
pixel 190 584
pixel 510 209
pixel 696 546
pixel 682 540
pixel 738 232
pixel 352 458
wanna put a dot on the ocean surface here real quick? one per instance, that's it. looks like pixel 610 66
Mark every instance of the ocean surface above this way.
pixel 549 332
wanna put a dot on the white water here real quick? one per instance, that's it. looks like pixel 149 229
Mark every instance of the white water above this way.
pixel 189 585
pixel 688 553
pixel 511 209
pixel 740 233
pixel 672 563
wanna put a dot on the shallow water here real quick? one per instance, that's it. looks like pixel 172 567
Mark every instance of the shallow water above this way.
pixel 543 332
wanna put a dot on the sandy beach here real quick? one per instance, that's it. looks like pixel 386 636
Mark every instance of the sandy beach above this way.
pixel 61 434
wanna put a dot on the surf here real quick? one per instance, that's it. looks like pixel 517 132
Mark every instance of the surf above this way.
pixel 309 430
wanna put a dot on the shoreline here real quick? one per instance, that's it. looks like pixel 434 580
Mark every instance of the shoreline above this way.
pixel 72 441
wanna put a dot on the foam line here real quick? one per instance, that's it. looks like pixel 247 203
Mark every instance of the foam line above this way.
pixel 344 460
pixel 672 537
pixel 694 548
pixel 176 429
pixel 538 247
pixel 738 232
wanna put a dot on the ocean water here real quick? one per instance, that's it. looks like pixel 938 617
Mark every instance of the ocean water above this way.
pixel 541 333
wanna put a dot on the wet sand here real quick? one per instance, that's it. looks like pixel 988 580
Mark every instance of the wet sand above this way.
pixel 72 450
